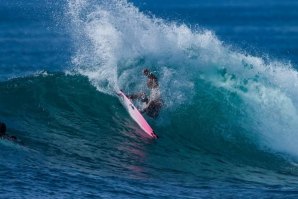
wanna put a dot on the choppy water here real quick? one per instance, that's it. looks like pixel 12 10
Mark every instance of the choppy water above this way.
pixel 228 77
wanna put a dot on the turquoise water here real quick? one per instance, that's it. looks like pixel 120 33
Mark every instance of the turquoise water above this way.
pixel 227 73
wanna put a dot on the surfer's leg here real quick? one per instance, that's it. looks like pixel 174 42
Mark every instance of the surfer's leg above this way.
pixel 153 109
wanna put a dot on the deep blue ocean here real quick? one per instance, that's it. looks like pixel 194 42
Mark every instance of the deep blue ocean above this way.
pixel 228 77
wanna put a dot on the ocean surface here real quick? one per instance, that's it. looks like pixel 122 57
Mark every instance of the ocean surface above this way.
pixel 228 77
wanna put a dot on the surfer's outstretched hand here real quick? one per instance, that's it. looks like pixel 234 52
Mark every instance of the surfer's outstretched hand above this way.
pixel 136 96
pixel 142 110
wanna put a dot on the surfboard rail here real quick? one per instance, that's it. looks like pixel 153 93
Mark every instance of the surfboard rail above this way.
pixel 136 115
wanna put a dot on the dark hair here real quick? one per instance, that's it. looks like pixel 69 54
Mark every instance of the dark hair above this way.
pixel 146 72
pixel 2 128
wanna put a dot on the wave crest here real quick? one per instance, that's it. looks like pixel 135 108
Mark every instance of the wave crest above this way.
pixel 115 41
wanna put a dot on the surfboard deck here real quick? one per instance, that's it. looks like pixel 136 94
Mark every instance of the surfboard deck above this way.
pixel 136 115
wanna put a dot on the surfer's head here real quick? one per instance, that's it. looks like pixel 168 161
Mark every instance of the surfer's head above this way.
pixel 2 129
pixel 152 80
pixel 146 72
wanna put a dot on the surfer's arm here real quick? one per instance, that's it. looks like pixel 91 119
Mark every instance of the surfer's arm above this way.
pixel 134 96
pixel 141 96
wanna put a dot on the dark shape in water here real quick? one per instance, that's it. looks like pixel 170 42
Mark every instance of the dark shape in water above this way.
pixel 3 134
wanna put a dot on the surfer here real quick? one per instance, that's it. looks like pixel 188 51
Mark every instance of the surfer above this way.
pixel 153 103
pixel 3 134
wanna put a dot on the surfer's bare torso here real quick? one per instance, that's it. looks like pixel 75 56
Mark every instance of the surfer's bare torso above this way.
pixel 153 103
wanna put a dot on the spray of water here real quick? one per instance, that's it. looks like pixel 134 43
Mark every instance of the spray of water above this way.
pixel 115 41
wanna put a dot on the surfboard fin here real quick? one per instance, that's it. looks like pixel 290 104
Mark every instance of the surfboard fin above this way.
pixel 155 135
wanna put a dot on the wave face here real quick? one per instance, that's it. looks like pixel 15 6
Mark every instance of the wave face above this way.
pixel 80 139
pixel 228 127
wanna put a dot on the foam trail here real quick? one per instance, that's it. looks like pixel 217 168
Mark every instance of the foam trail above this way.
pixel 115 41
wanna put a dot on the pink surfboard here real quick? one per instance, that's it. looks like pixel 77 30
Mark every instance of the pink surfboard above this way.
pixel 137 116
